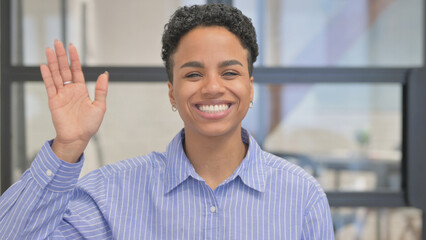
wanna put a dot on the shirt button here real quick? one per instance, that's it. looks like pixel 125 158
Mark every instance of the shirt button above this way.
pixel 49 172
pixel 213 209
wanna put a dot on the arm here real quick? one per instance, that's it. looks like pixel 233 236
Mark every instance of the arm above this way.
pixel 37 206
pixel 317 223
pixel 31 205
pixel 47 202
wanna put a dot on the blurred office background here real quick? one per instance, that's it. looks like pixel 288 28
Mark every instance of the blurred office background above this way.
pixel 335 111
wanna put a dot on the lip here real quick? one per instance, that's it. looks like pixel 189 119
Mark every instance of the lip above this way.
pixel 213 116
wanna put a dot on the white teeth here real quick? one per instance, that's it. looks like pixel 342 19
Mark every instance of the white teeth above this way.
pixel 213 108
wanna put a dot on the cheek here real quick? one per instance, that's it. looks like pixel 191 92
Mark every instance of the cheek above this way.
pixel 242 90
pixel 183 93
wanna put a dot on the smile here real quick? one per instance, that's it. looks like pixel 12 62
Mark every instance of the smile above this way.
pixel 213 108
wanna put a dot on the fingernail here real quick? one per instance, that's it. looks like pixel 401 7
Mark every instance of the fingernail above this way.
pixel 69 44
pixel 56 40
pixel 107 73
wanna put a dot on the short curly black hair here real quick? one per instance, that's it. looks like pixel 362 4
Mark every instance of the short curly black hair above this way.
pixel 187 18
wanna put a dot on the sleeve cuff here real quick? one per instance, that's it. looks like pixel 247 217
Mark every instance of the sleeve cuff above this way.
pixel 54 174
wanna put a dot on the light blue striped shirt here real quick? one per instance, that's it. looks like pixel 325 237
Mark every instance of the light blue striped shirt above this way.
pixel 160 196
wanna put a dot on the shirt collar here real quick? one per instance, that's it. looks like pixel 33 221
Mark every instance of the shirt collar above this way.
pixel 179 168
pixel 251 170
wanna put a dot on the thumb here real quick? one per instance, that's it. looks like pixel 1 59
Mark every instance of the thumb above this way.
pixel 101 89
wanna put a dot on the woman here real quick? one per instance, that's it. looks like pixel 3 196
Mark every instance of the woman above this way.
pixel 212 182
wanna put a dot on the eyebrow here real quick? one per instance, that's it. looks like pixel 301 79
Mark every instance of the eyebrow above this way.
pixel 192 64
pixel 221 65
pixel 229 63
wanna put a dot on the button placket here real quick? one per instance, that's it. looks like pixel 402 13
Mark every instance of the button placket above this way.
pixel 213 214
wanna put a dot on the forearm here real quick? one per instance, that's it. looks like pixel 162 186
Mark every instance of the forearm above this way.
pixel 34 206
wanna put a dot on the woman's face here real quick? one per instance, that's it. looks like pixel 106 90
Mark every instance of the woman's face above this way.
pixel 211 87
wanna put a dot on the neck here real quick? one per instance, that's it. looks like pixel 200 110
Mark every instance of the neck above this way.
pixel 215 158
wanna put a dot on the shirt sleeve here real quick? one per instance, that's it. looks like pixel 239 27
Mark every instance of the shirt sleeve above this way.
pixel 39 205
pixel 317 223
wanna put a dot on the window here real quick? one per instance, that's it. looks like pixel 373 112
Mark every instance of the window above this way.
pixel 334 33
pixel 348 135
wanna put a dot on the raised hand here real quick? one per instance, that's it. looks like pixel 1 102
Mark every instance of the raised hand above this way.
pixel 75 116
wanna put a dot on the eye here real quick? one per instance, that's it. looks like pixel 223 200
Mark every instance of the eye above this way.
pixel 193 75
pixel 230 74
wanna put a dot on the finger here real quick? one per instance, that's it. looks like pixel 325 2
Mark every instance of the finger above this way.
pixel 64 67
pixel 54 68
pixel 101 90
pixel 48 81
pixel 76 70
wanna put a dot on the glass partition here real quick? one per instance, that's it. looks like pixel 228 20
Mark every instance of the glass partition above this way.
pixel 336 33
pixel 105 32
pixel 377 223
pixel 348 135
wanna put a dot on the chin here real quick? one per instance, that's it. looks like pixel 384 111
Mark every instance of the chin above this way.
pixel 213 130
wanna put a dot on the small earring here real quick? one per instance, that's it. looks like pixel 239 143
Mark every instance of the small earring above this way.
pixel 174 108
pixel 251 104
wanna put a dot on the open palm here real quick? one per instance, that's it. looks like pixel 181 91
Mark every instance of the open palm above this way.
pixel 75 116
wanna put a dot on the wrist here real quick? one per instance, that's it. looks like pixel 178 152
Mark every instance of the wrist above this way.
pixel 68 151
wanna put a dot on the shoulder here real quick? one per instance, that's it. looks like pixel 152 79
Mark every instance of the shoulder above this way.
pixel 293 174
pixel 151 162
pixel 280 173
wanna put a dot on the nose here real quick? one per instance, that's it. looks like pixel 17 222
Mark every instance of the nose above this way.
pixel 212 86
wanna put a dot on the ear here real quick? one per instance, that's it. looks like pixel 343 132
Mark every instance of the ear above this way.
pixel 171 93
pixel 251 88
